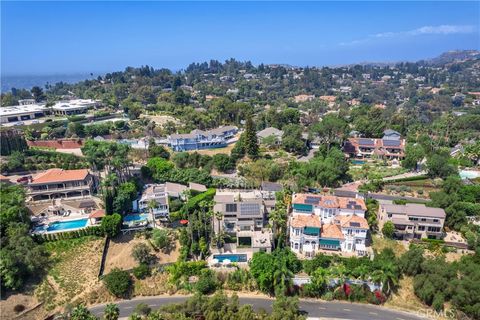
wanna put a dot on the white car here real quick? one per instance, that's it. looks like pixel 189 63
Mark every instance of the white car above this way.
pixel 35 121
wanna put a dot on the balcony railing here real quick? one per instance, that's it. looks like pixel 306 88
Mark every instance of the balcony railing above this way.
pixel 65 189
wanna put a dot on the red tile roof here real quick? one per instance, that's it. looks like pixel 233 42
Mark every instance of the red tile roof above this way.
pixel 329 201
pixel 304 220
pixel 60 175
pixel 99 213
pixel 331 231
pixel 345 221
pixel 56 144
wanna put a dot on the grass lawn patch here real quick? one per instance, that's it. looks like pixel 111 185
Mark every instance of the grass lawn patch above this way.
pixel 380 243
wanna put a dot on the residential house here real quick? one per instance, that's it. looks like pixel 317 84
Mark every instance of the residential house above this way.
pixel 59 183
pixel 269 132
pixel 199 139
pixel 390 147
pixel 243 216
pixel 154 200
pixel 413 221
pixel 320 222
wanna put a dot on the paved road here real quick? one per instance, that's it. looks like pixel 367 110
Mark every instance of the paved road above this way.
pixel 314 309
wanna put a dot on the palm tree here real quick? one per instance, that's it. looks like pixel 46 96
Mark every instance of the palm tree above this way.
pixel 282 277
pixel 361 272
pixel 112 312
pixel 278 219
pixel 321 278
pixel 386 276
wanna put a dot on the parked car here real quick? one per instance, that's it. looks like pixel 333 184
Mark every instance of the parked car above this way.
pixel 24 179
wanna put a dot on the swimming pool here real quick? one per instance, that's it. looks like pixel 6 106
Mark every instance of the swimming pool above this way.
pixel 135 217
pixel 469 174
pixel 63 225
pixel 231 257
pixel 358 162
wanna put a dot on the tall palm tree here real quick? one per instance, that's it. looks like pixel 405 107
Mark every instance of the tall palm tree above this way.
pixel 112 312
pixel 282 277
pixel 278 219
pixel 386 276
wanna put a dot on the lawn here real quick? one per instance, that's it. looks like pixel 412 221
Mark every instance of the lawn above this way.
pixel 374 171
pixel 73 273
pixel 380 243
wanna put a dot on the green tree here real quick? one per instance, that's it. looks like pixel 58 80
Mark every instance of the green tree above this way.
pixel 111 312
pixel 411 261
pixel 414 153
pixel 161 238
pixel 81 313
pixel 388 229
pixel 160 168
pixel 438 165
pixel 38 94
pixel 251 143
pixel 118 282
pixel 142 253
pixel 111 224
pixel 330 130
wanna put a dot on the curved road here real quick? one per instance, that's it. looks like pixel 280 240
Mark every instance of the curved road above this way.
pixel 314 309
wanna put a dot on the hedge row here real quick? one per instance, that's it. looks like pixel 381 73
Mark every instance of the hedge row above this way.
pixel 193 202
pixel 89 231
pixel 416 178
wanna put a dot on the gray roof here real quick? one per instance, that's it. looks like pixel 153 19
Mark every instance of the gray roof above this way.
pixel 197 186
pixel 389 132
pixel 271 186
pixel 224 198
pixel 175 187
pixel 270 131
pixel 415 209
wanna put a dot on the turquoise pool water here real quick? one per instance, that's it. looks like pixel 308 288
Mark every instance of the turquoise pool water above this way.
pixel 64 225
pixel 464 174
pixel 135 217
pixel 231 257
pixel 358 162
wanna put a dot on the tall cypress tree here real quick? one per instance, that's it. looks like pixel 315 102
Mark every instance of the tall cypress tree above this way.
pixel 251 143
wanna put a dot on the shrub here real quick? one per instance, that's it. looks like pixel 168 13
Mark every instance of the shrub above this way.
pixel 142 253
pixel 18 308
pixel 111 224
pixel 206 283
pixel 118 282
pixel 160 238
pixel 141 271
pixel 143 309
pixel 328 296
pixel 388 229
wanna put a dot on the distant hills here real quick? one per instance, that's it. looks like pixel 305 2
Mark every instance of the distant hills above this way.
pixel 453 56
pixel 444 58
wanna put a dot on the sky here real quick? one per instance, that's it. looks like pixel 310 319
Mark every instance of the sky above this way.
pixel 68 37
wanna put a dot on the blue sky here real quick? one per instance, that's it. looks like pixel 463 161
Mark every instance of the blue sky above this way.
pixel 67 37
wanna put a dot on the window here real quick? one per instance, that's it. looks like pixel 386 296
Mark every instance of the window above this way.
pixel 389 215
pixel 296 246
pixel 423 219
pixel 421 228
pixel 435 220
pixel 297 232
pixel 231 207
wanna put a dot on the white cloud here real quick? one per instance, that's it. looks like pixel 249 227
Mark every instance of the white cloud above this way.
pixel 425 30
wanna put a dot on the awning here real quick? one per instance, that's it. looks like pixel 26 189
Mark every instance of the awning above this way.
pixel 311 231
pixel 329 242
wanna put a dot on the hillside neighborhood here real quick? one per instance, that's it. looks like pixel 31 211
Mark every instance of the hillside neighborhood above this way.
pixel 358 183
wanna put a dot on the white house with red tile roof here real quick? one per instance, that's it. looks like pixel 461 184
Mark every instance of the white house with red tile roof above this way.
pixel 59 183
pixel 320 222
